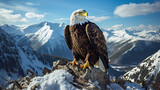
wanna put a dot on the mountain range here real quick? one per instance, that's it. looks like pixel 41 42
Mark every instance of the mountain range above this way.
pixel 48 38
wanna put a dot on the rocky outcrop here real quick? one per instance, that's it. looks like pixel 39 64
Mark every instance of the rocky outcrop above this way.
pixel 93 79
pixel 9 56
pixel 83 77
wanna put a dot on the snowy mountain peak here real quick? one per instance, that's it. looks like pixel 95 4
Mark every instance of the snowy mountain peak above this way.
pixel 47 38
pixel 61 24
pixel 43 23
pixel 41 36
pixel 125 34
pixel 44 32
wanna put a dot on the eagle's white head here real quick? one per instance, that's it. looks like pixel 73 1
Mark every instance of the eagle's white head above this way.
pixel 78 17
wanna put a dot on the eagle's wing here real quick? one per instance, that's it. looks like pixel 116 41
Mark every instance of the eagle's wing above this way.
pixel 97 40
pixel 68 37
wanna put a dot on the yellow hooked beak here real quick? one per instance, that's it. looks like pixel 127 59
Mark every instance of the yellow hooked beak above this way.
pixel 84 14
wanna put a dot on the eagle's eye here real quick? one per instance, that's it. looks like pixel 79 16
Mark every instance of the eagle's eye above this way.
pixel 80 13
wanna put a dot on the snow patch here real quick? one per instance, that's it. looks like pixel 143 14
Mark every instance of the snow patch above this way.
pixel 59 80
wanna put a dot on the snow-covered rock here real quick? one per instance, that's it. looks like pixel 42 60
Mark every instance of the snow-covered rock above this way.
pixel 65 77
pixel 147 72
pixel 68 77
pixel 58 79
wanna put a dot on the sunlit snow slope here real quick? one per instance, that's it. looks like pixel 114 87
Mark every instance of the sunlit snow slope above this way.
pixel 47 38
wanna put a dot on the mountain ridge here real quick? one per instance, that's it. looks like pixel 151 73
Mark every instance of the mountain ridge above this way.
pixel 48 38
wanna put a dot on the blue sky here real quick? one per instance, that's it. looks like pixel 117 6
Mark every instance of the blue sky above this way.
pixel 105 13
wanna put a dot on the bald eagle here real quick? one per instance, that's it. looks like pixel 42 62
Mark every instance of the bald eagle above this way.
pixel 86 41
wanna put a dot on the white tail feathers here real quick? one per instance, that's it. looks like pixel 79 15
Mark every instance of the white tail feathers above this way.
pixel 101 65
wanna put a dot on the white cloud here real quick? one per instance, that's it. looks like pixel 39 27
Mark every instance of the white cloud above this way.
pixel 62 19
pixel 133 9
pixel 17 7
pixel 98 19
pixel 30 3
pixel 34 15
pixel 7 16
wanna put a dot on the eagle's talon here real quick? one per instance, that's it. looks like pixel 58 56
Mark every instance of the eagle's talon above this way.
pixel 85 65
pixel 73 63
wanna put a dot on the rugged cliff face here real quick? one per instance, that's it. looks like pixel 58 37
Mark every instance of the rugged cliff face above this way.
pixel 16 59
pixel 147 72
pixel 9 56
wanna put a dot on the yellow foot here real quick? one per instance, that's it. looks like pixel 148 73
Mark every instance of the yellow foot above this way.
pixel 74 62
pixel 85 65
